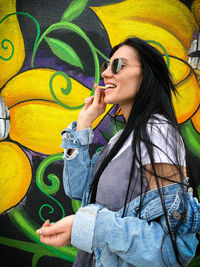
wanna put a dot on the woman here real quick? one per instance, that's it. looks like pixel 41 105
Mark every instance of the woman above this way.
pixel 136 209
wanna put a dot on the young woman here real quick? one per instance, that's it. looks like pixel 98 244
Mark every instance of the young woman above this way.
pixel 137 207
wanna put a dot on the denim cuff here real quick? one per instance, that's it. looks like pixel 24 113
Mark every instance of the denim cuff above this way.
pixel 83 227
pixel 72 139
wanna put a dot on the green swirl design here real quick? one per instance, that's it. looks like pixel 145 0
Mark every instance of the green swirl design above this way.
pixel 65 91
pixel 6 47
pixel 37 27
pixel 48 189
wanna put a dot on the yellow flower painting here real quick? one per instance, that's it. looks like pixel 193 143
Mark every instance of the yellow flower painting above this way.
pixel 50 57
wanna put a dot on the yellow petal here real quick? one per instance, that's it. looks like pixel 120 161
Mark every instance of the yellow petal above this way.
pixel 171 15
pixel 38 124
pixel 11 37
pixel 15 175
pixel 147 31
pixel 188 100
pixel 179 69
pixel 35 84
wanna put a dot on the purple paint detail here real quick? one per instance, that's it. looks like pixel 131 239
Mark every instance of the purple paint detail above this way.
pixel 195 34
pixel 31 154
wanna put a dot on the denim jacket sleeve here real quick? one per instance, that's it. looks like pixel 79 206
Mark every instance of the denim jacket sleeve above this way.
pixel 126 237
pixel 131 239
pixel 77 165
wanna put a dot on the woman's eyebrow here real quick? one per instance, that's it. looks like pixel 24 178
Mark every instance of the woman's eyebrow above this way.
pixel 124 59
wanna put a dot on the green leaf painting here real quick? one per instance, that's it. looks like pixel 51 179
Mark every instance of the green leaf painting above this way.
pixel 74 10
pixel 64 51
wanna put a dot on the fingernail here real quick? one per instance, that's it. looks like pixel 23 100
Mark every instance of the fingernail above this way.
pixel 39 232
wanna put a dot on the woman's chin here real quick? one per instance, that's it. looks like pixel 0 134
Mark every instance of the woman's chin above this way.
pixel 109 100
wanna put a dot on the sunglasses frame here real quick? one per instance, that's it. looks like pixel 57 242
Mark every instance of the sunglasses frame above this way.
pixel 114 70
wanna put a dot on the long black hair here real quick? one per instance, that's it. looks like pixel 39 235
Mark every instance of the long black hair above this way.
pixel 153 97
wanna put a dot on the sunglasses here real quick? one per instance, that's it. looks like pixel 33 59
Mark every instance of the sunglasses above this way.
pixel 116 65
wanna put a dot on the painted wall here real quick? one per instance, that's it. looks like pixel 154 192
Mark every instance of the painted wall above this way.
pixel 50 55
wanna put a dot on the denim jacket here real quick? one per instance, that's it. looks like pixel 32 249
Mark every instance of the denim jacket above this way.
pixel 127 241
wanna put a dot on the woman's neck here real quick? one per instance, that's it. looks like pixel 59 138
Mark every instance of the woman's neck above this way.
pixel 126 109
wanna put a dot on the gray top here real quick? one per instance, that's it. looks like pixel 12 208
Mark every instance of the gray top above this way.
pixel 113 183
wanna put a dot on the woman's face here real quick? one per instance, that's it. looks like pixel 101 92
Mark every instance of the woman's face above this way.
pixel 124 84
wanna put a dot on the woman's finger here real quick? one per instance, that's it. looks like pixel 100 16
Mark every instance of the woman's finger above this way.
pixel 47 231
pixel 97 94
pixel 89 99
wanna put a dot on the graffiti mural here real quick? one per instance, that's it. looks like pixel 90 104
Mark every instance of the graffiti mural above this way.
pixel 50 58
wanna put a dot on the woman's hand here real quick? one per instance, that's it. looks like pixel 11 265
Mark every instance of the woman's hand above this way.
pixel 57 234
pixel 94 107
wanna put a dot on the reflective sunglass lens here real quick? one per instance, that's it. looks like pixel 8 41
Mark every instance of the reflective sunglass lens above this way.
pixel 116 65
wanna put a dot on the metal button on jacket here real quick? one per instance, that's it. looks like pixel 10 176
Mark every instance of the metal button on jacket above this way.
pixel 190 190
pixel 176 215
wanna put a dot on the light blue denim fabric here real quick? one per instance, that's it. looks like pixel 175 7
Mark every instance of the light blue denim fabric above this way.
pixel 128 241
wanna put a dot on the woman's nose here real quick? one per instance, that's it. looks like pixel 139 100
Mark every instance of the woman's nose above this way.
pixel 107 72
